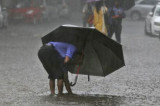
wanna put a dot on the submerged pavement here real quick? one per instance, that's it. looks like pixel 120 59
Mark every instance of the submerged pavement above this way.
pixel 23 81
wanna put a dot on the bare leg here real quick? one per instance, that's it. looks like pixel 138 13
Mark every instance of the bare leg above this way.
pixel 52 86
pixel 60 86
pixel 66 81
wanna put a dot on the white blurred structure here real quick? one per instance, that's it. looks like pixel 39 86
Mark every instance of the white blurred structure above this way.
pixel 141 9
pixel 152 22
pixel 3 17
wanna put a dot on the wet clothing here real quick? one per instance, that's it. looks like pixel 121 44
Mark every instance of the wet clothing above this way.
pixel 115 22
pixel 117 29
pixel 99 20
pixel 52 60
pixel 64 49
pixel 117 12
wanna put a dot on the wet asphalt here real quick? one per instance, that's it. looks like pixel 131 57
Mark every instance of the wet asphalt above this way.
pixel 23 81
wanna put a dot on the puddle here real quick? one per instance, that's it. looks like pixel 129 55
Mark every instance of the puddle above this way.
pixel 82 99
pixel 93 99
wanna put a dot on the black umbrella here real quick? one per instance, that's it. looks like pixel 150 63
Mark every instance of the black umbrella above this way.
pixel 126 4
pixel 101 55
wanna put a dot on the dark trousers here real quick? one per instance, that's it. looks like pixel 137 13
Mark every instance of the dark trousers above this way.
pixel 52 62
pixel 117 29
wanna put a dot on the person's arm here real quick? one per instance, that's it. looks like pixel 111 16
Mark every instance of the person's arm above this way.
pixel 70 51
pixel 121 15
pixel 66 60
pixel 116 16
pixel 106 9
pixel 84 9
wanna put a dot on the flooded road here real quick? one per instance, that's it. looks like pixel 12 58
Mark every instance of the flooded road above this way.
pixel 23 81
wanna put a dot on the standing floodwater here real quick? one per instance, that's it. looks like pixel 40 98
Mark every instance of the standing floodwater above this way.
pixel 23 80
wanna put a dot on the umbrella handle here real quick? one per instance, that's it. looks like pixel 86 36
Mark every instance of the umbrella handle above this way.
pixel 75 81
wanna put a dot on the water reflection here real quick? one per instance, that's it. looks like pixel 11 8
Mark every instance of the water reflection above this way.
pixel 83 100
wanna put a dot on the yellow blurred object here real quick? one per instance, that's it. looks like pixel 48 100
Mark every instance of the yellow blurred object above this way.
pixel 99 21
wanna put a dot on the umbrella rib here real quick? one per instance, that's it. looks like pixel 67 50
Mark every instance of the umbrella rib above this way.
pixel 112 53
pixel 98 58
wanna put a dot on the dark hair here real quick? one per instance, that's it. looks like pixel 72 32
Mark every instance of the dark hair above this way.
pixel 98 5
pixel 116 3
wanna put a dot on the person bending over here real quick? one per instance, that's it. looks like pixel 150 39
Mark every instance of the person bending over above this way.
pixel 54 57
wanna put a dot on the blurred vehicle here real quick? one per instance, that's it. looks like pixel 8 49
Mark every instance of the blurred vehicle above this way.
pixel 141 9
pixel 152 22
pixel 63 9
pixel 3 18
pixel 55 8
pixel 27 10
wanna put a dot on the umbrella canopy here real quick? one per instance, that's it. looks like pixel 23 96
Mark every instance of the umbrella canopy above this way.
pixel 102 55
pixel 126 4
